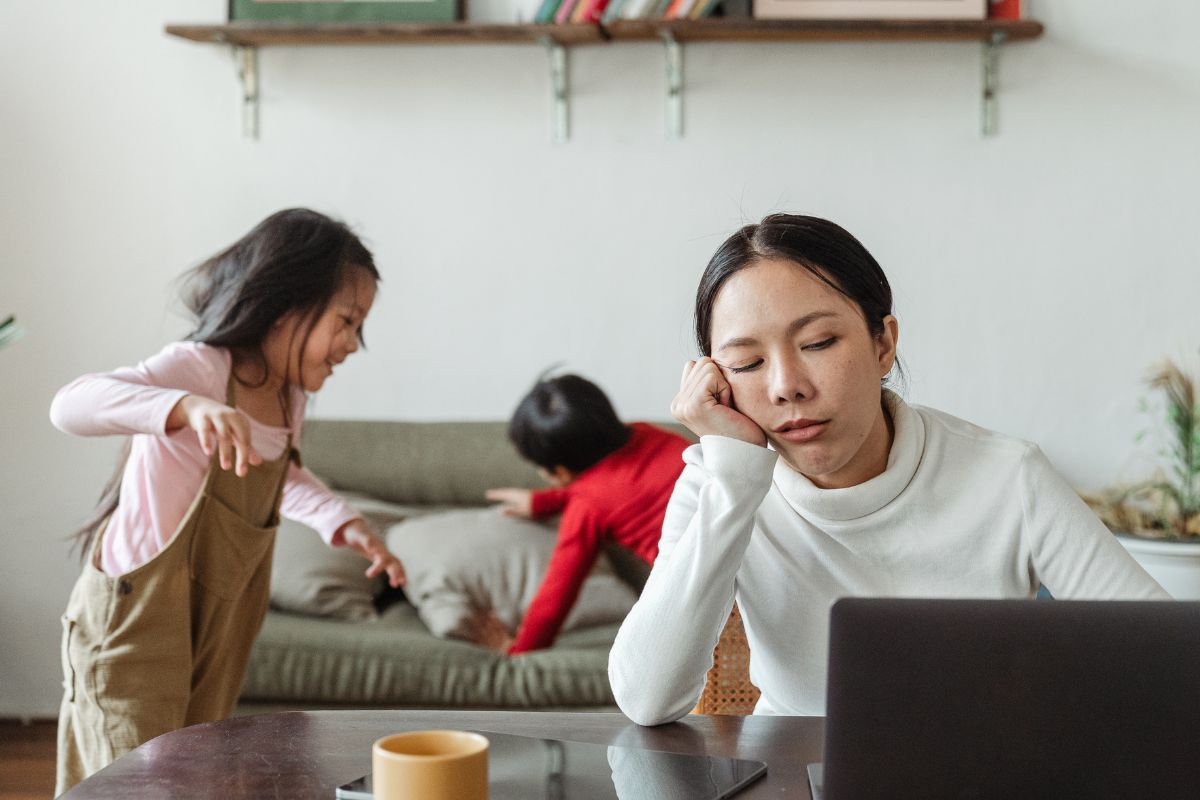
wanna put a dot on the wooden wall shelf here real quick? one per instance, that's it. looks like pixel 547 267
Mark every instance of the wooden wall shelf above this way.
pixel 246 37
pixel 261 34
pixel 269 34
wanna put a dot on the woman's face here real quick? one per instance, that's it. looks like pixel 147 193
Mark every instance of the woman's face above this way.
pixel 802 364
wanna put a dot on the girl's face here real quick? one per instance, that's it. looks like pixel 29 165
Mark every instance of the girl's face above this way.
pixel 802 364
pixel 332 338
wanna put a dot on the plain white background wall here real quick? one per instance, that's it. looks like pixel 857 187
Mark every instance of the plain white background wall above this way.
pixel 1037 274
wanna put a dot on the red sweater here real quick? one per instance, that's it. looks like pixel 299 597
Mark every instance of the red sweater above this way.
pixel 622 498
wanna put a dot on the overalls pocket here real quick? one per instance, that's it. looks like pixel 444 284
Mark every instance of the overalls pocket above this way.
pixel 68 666
pixel 226 549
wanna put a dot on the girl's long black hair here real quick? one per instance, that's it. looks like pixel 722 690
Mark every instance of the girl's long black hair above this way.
pixel 293 261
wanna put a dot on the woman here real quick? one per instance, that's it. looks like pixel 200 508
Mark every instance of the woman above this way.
pixel 812 481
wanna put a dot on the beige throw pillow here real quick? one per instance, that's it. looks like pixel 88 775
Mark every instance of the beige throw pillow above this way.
pixel 459 562
pixel 310 577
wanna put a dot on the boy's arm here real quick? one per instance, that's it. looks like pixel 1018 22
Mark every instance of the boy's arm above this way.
pixel 547 502
pixel 572 560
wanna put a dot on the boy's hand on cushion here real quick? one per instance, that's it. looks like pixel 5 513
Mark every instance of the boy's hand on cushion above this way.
pixel 359 537
pixel 513 502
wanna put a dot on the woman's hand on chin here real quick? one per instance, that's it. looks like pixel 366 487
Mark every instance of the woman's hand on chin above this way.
pixel 705 405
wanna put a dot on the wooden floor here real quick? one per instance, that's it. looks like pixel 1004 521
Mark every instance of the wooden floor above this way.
pixel 26 760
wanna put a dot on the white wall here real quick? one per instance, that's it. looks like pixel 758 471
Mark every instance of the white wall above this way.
pixel 1037 273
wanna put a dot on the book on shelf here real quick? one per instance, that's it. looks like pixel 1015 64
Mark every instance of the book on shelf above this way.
pixel 350 11
pixel 588 10
pixel 871 9
pixel 563 14
pixel 545 12
pixel 1004 9
pixel 607 12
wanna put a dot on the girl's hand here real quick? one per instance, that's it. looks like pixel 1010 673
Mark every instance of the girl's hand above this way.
pixel 705 405
pixel 486 630
pixel 221 428
pixel 513 502
pixel 358 536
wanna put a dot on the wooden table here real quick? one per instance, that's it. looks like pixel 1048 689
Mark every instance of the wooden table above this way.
pixel 306 754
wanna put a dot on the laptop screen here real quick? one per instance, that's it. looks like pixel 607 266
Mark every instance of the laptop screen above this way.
pixel 1012 698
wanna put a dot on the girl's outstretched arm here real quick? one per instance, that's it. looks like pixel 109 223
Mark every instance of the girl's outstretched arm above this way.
pixel 140 399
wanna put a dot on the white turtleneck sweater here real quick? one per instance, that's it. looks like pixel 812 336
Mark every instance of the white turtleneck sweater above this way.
pixel 958 512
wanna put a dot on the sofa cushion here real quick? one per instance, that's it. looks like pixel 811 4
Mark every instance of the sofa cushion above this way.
pixel 393 661
pixel 422 463
pixel 310 577
pixel 460 562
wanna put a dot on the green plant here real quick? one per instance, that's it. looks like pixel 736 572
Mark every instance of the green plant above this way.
pixel 10 331
pixel 1168 505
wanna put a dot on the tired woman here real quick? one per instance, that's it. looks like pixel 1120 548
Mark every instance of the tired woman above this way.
pixel 813 481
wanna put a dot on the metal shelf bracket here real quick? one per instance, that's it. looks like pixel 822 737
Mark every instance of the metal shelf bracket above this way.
pixel 246 59
pixel 991 69
pixel 674 61
pixel 559 88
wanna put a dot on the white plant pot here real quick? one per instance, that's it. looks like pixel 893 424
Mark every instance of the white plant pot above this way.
pixel 1175 565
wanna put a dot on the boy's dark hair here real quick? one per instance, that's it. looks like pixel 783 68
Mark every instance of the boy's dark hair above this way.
pixel 566 421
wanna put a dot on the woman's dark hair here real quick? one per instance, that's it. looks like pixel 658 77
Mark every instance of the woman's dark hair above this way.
pixel 295 260
pixel 566 421
pixel 826 250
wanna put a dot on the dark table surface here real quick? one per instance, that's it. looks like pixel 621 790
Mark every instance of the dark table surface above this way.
pixel 307 754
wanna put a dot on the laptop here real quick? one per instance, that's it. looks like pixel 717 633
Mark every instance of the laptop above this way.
pixel 1011 698
pixel 531 768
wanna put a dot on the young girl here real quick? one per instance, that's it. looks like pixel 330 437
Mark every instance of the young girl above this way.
pixel 159 626
pixel 812 482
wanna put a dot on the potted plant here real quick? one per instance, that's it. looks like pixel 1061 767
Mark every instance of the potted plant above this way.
pixel 10 331
pixel 1158 520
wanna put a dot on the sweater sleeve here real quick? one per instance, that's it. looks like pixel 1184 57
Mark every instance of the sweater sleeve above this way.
pixel 547 502
pixel 139 399
pixel 1072 551
pixel 579 535
pixel 306 499
pixel 663 650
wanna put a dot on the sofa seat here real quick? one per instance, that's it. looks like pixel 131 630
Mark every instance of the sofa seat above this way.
pixel 394 662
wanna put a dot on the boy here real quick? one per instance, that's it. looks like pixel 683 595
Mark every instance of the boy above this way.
pixel 611 483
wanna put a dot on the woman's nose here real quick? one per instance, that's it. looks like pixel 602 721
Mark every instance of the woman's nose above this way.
pixel 789 381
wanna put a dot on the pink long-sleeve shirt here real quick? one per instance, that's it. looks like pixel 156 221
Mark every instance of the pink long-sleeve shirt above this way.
pixel 166 470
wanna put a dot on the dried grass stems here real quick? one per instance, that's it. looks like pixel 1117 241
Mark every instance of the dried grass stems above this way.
pixel 1167 506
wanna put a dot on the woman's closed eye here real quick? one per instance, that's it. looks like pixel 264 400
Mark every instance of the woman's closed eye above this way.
pixel 821 345
pixel 747 367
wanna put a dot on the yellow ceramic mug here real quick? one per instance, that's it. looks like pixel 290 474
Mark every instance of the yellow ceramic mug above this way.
pixel 430 765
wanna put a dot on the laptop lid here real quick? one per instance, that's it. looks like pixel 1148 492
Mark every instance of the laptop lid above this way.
pixel 1012 698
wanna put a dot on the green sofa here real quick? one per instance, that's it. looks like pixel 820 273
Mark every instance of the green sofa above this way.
pixel 394 661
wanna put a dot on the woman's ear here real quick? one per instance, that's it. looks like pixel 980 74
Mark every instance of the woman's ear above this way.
pixel 885 344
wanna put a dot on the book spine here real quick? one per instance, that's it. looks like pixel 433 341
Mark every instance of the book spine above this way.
pixel 1004 9
pixel 596 11
pixel 545 13
pixel 564 11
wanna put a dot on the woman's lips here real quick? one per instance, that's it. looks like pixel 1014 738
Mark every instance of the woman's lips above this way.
pixel 804 432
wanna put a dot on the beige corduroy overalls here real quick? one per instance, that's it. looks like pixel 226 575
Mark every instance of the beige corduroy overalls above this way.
pixel 166 644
